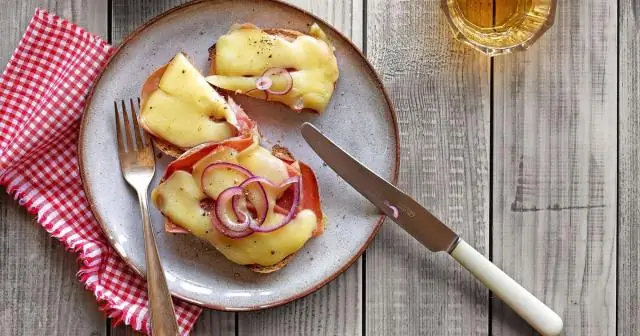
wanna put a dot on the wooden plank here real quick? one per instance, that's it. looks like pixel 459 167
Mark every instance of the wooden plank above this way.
pixel 127 16
pixel 554 176
pixel 336 309
pixel 441 90
pixel 346 16
pixel 628 321
pixel 210 323
pixel 39 291
pixel 15 16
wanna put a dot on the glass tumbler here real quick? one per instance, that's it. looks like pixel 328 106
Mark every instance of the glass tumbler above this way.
pixel 497 27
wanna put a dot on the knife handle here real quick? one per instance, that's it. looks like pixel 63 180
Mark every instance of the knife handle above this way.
pixel 539 316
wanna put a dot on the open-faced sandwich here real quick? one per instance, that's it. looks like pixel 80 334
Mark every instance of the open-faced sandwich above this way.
pixel 281 65
pixel 181 110
pixel 258 208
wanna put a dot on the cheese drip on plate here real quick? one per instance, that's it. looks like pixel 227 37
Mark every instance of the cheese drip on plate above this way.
pixel 179 198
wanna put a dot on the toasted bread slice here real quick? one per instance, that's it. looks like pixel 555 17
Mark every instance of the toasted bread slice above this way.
pixel 287 34
pixel 290 36
pixel 242 123
pixel 282 153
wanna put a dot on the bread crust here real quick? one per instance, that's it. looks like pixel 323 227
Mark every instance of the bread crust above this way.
pixel 285 155
pixel 275 267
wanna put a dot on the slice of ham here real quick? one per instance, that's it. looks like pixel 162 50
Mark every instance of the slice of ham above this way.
pixel 310 193
pixel 188 159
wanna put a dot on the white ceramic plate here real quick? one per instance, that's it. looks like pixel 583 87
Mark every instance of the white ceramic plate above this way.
pixel 359 118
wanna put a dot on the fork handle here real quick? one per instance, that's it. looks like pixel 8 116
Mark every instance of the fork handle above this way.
pixel 163 318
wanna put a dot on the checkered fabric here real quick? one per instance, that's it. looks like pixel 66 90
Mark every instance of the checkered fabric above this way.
pixel 43 92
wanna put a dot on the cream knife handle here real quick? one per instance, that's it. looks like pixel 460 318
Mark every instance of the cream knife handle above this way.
pixel 539 316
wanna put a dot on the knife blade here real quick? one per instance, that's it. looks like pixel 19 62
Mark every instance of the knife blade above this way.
pixel 410 215
pixel 432 232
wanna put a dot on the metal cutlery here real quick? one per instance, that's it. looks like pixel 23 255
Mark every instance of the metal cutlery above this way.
pixel 137 163
pixel 431 232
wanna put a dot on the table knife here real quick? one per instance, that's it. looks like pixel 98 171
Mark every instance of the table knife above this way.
pixel 432 232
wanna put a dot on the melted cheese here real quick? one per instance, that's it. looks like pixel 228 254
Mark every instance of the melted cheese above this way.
pixel 216 181
pixel 185 110
pixel 262 163
pixel 244 54
pixel 178 198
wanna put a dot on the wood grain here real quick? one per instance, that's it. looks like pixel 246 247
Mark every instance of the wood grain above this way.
pixel 15 15
pixel 39 291
pixel 440 89
pixel 554 182
pixel 628 303
pixel 554 170
pixel 127 15
pixel 337 308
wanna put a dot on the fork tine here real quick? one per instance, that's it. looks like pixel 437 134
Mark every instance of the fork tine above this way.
pixel 127 127
pixel 121 148
pixel 136 128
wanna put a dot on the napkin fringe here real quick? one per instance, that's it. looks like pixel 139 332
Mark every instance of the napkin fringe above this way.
pixel 90 252
pixel 43 91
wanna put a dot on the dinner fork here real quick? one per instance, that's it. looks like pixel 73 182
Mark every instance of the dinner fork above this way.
pixel 137 164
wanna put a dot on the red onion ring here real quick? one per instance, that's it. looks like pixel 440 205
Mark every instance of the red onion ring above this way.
pixel 275 72
pixel 235 204
pixel 225 197
pixel 240 209
pixel 229 233
pixel 246 225
pixel 263 208
pixel 263 83
pixel 217 165
pixel 295 181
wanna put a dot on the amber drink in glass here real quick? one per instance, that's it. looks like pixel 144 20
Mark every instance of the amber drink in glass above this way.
pixel 497 27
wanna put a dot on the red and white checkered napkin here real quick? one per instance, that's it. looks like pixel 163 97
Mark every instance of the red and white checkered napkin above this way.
pixel 43 92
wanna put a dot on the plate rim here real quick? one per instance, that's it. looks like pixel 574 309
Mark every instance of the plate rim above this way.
pixel 90 200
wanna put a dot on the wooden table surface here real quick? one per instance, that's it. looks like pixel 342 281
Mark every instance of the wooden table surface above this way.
pixel 532 157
